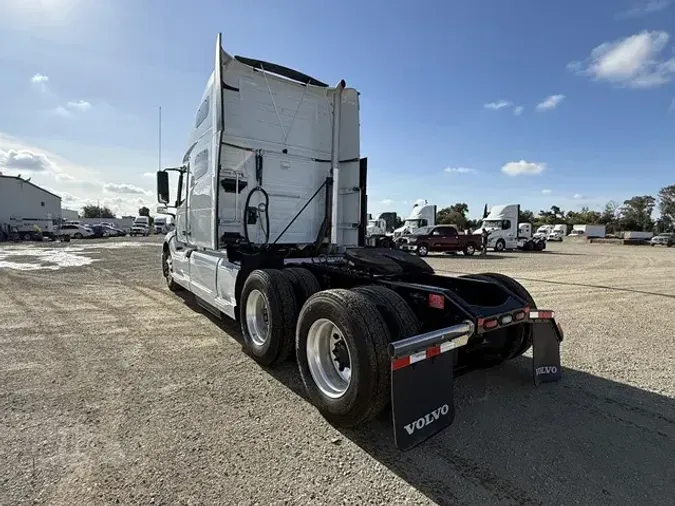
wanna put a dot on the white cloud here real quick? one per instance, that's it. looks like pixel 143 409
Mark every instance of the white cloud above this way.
pixel 125 189
pixel 149 174
pixel 499 104
pixel 387 202
pixel 546 191
pixel 79 105
pixel 518 110
pixel 39 79
pixel 63 177
pixel 550 102
pixel 458 170
pixel 636 61
pixel 579 196
pixel 523 168
pixel 62 112
pixel 644 8
pixel 24 160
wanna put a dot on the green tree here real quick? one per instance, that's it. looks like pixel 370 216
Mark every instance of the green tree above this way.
pixel 551 217
pixel 636 213
pixel 526 216
pixel 453 215
pixel 667 207
pixel 610 216
pixel 92 211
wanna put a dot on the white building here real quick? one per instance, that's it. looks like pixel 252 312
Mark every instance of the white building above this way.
pixel 24 204
pixel 69 214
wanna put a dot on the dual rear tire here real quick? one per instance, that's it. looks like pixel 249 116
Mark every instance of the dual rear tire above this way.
pixel 340 338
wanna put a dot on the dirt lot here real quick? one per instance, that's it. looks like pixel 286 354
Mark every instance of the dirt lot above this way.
pixel 113 390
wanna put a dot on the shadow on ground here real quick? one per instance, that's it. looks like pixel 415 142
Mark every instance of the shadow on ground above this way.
pixel 585 440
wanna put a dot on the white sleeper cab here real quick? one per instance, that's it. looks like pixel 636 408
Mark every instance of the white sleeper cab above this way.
pixel 269 207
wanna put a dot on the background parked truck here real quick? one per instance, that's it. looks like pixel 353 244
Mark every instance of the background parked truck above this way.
pixel 504 231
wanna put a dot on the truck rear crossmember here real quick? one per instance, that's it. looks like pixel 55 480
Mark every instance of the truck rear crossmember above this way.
pixel 422 396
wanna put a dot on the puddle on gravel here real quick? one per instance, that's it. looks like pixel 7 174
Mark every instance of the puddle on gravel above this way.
pixel 33 258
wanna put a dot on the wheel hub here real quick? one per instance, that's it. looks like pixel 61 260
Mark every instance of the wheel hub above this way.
pixel 257 317
pixel 328 358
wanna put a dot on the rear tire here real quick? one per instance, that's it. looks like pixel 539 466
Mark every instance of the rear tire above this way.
pixel 267 314
pixel 469 249
pixel 539 246
pixel 358 335
pixel 422 250
pixel 304 283
pixel 385 243
pixel 399 317
pixel 77 235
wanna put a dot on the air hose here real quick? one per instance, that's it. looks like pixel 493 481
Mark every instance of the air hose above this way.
pixel 260 210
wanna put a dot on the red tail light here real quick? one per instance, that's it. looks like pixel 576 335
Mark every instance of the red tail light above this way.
pixel 520 315
pixel 436 301
pixel 490 324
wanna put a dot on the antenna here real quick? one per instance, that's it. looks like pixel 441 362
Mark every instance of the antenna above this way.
pixel 159 157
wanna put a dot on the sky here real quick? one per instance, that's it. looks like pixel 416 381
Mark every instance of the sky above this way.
pixel 478 101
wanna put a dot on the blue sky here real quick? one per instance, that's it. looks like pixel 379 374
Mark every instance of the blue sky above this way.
pixel 442 86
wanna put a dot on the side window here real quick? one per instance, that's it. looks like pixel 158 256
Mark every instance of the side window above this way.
pixel 202 113
pixel 201 164
pixel 450 231
pixel 506 224
pixel 183 185
pixel 437 231
pixel 423 223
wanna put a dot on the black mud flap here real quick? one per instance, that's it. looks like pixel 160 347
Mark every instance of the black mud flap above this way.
pixel 422 383
pixel 546 339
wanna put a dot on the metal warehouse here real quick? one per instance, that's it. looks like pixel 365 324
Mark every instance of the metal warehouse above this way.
pixel 24 204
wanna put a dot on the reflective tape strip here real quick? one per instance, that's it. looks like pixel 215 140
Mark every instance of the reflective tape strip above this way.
pixel 428 353
pixel 542 315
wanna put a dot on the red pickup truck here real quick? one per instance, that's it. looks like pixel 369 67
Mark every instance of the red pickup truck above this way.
pixel 442 238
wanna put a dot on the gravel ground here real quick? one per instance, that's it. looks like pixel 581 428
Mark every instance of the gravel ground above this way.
pixel 113 390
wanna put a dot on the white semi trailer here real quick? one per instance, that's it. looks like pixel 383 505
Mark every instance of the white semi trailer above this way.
pixel 270 224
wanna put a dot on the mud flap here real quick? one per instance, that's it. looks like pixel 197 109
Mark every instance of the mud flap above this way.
pixel 422 383
pixel 546 338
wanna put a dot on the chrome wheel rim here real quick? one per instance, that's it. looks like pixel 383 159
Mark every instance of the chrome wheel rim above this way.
pixel 257 317
pixel 423 250
pixel 329 358
pixel 469 249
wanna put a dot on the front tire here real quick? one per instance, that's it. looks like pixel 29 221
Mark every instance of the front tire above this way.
pixel 268 313
pixel 341 348
pixel 422 250
pixel 167 270
pixel 500 245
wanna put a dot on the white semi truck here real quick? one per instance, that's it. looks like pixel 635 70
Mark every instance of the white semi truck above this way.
pixel 506 233
pixel 422 215
pixel 270 228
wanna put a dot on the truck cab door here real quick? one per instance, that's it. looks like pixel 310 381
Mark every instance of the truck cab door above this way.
pixel 450 239
pixel 510 231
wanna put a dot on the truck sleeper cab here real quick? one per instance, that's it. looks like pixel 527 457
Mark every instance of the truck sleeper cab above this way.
pixel 270 227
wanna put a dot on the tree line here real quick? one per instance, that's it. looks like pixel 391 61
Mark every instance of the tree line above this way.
pixel 635 214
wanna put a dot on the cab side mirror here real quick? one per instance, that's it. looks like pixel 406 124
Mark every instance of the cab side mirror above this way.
pixel 162 187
